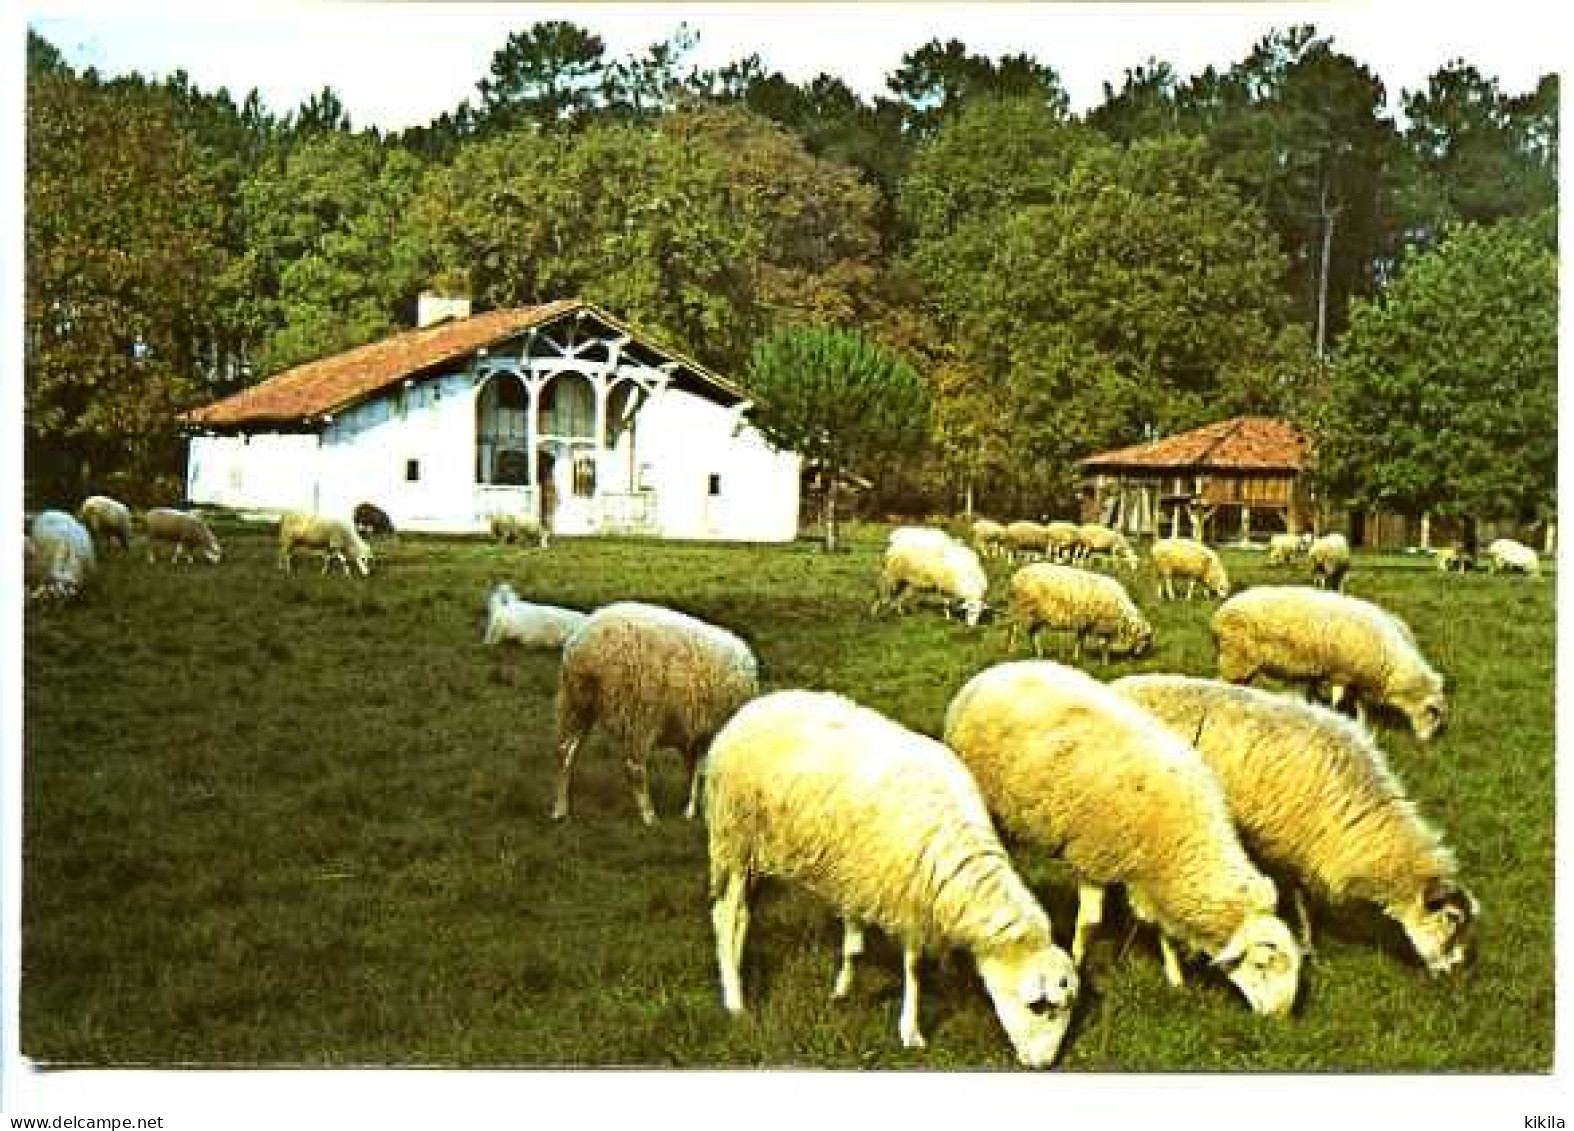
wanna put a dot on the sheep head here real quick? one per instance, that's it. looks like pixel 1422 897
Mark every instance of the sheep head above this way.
pixel 1263 959
pixel 1033 988
pixel 1439 921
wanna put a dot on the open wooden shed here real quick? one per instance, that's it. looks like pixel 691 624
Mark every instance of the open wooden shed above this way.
pixel 1215 482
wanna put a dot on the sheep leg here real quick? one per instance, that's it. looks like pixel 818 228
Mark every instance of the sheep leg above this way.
pixel 911 1037
pixel 1090 913
pixel 1172 966
pixel 852 947
pixel 730 917
pixel 1304 919
pixel 695 757
pixel 567 747
pixel 639 780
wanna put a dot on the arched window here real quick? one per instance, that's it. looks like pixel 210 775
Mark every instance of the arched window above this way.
pixel 500 432
pixel 568 407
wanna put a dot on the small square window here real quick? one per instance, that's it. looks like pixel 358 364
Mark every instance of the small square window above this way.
pixel 412 471
pixel 715 486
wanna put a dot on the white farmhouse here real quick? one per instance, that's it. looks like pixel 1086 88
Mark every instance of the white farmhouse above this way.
pixel 558 408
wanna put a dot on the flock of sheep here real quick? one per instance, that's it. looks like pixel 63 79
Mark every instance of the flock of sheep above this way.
pixel 1178 789
pixel 60 550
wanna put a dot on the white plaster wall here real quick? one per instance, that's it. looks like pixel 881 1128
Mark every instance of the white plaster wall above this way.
pixel 681 441
pixel 268 471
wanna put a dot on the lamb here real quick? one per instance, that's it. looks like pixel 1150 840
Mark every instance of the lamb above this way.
pixel 1095 538
pixel 1066 764
pixel 1329 557
pixel 185 531
pixel 654 677
pixel 336 538
pixel 57 556
pixel 1508 555
pixel 107 520
pixel 886 826
pixel 512 528
pixel 1300 634
pixel 1313 796
pixel 951 570
pixel 989 538
pixel 511 620
pixel 1025 538
pixel 1187 558
pixel 1455 559
pixel 1286 548
pixel 1046 595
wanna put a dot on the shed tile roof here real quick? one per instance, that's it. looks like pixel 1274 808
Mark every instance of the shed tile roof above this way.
pixel 335 382
pixel 1245 443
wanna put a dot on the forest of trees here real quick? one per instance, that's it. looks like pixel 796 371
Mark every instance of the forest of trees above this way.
pixel 1272 237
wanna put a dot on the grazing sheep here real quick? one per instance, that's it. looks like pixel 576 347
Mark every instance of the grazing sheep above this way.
pixel 918 536
pixel 370 520
pixel 1296 633
pixel 1187 558
pixel 510 620
pixel 512 528
pixel 1313 795
pixel 1329 557
pixel 951 570
pixel 989 538
pixel 1455 559
pixel 336 538
pixel 653 677
pixel 1063 541
pixel 107 520
pixel 1024 539
pixel 1510 556
pixel 887 827
pixel 185 531
pixel 1059 597
pixel 57 556
pixel 1286 548
pixel 1096 539
pixel 1069 766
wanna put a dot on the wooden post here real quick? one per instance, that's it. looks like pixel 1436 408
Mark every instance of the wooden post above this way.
pixel 1426 530
pixel 1246 523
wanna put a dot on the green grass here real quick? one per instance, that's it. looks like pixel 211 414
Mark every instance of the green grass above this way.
pixel 303 820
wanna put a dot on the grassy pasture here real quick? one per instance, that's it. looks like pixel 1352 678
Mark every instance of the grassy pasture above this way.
pixel 303 820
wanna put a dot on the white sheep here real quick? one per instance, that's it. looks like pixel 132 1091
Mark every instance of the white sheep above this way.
pixel 989 538
pixel 1313 795
pixel 185 531
pixel 887 827
pixel 918 536
pixel 1191 560
pixel 653 677
pixel 57 556
pixel 1094 538
pixel 511 620
pixel 1065 598
pixel 519 528
pixel 336 538
pixel 1067 765
pixel 1312 636
pixel 1329 557
pixel 1510 556
pixel 950 570
pixel 1063 540
pixel 1286 548
pixel 107 520
pixel 1025 539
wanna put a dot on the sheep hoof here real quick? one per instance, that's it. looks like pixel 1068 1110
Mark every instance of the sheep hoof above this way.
pixel 559 812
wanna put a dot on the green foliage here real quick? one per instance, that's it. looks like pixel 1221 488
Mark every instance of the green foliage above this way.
pixel 121 220
pixel 330 260
pixel 546 76
pixel 245 841
pixel 1443 395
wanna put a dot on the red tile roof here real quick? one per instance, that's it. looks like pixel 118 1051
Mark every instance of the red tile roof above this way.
pixel 1246 443
pixel 332 383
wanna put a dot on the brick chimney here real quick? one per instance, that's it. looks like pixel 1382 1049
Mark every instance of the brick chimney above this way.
pixel 432 308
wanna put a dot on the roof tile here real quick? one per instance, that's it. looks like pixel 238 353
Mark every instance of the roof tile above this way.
pixel 1244 443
